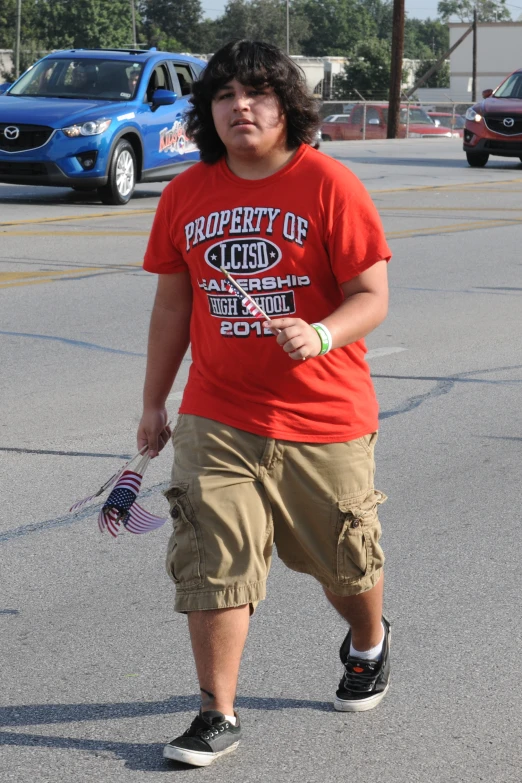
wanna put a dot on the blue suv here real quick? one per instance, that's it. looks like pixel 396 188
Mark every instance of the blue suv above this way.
pixel 98 120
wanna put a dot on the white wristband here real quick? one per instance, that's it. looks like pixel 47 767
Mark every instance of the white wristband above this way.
pixel 324 336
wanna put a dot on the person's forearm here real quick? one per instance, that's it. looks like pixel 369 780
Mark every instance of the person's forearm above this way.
pixel 169 338
pixel 356 317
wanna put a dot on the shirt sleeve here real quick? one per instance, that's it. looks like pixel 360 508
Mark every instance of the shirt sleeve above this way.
pixel 357 240
pixel 162 255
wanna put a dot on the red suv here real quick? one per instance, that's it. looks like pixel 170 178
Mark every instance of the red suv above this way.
pixel 494 126
pixel 413 123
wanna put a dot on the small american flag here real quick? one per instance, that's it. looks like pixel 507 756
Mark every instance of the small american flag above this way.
pixel 121 508
pixel 247 303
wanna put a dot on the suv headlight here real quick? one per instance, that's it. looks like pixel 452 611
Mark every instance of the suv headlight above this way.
pixel 90 128
pixel 472 115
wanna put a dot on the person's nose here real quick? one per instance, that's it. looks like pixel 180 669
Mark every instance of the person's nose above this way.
pixel 241 102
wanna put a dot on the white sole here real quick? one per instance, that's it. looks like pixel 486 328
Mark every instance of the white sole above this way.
pixel 357 705
pixel 195 758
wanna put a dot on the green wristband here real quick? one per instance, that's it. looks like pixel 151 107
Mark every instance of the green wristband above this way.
pixel 324 336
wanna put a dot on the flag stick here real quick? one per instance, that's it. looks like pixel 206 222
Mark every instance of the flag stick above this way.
pixel 247 296
pixel 232 280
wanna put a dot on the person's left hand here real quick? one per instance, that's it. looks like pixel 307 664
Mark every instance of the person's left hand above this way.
pixel 297 338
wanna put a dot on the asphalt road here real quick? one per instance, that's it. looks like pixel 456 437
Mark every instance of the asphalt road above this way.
pixel 96 670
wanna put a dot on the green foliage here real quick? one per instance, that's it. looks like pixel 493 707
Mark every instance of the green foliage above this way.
pixel 335 26
pixel 425 38
pixel 367 73
pixel 441 77
pixel 487 10
pixel 381 12
pixel 172 24
pixel 263 20
pixel 87 23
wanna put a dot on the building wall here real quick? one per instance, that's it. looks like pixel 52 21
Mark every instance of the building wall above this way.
pixel 499 52
pixel 6 62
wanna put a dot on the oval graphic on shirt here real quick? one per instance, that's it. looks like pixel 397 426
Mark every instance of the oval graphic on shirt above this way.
pixel 243 256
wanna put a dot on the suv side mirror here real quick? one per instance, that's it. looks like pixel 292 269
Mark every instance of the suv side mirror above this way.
pixel 4 87
pixel 487 93
pixel 163 98
pixel 374 121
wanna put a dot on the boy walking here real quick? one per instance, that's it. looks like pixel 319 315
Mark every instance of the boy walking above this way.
pixel 277 428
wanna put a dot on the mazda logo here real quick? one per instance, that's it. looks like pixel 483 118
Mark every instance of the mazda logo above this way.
pixel 11 132
pixel 509 122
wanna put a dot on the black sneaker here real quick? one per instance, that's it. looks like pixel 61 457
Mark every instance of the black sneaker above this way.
pixel 210 736
pixel 364 683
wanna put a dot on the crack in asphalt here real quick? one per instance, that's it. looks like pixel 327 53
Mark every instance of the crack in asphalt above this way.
pixel 443 386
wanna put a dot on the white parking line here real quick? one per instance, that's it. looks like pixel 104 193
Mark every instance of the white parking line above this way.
pixel 376 352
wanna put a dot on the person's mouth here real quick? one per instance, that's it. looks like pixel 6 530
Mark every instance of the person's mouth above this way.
pixel 241 122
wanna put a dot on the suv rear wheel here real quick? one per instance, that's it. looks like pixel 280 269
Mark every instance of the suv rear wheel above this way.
pixel 122 176
pixel 477 159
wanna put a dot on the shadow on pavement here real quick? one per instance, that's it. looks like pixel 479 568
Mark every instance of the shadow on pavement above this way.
pixel 430 162
pixel 145 757
pixel 38 714
pixel 72 198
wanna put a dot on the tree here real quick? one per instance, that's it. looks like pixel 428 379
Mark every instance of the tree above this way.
pixel 172 24
pixel 425 38
pixel 368 72
pixel 87 23
pixel 487 10
pixel 381 12
pixel 335 26
pixel 441 77
pixel 263 20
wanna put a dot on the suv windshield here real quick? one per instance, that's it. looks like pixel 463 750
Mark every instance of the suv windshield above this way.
pixel 512 87
pixel 101 80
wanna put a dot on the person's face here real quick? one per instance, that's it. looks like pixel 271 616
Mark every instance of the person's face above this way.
pixel 249 120
pixel 79 78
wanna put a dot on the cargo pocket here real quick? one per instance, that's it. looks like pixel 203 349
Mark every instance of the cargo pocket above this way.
pixel 359 530
pixel 185 558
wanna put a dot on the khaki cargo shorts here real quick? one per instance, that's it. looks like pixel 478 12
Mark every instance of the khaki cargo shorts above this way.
pixel 234 494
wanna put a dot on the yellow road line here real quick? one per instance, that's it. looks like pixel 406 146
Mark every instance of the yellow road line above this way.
pixel 87 216
pixel 450 209
pixel 73 233
pixel 462 186
pixel 50 273
pixel 452 228
pixel 13 279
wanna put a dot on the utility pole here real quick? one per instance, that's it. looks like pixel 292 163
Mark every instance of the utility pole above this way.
pixel 133 16
pixel 474 66
pixel 288 27
pixel 396 69
pixel 18 25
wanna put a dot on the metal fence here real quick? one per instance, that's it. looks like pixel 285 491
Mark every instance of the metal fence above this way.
pixel 344 107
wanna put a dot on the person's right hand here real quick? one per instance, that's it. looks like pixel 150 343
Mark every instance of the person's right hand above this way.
pixel 154 431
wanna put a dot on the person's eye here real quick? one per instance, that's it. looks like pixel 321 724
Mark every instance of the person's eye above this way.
pixel 224 95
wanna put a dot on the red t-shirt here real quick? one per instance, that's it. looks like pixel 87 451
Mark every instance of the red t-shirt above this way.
pixel 290 240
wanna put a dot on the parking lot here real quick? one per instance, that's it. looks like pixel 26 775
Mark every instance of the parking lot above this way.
pixel 96 666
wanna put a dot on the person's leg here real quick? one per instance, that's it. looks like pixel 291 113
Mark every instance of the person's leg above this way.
pixel 363 613
pixel 218 556
pixel 218 637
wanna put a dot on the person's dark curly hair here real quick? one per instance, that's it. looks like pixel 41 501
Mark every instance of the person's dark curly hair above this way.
pixel 253 63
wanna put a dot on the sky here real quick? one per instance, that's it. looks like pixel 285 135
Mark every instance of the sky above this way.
pixel 419 9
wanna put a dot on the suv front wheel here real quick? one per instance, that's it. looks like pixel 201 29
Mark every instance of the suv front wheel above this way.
pixel 122 176
pixel 477 159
